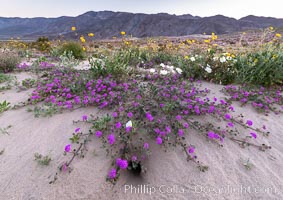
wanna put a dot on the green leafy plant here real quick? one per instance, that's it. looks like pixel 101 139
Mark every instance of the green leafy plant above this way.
pixel 68 60
pixel 263 67
pixel 42 160
pixel 5 130
pixel 74 47
pixel 28 83
pixel 4 106
pixel 42 44
pixel 247 164
pixel 4 78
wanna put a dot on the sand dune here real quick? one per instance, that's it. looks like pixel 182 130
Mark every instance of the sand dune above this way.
pixel 169 175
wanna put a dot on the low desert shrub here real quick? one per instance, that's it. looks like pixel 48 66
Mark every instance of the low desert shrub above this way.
pixel 42 44
pixel 8 62
pixel 74 47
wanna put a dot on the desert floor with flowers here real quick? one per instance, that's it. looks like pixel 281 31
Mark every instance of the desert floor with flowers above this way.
pixel 177 109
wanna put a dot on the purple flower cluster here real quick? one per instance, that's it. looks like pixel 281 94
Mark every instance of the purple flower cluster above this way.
pixel 112 174
pixel 149 116
pixel 259 98
pixel 111 139
pixel 123 164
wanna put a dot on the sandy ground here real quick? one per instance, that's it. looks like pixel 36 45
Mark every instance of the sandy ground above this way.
pixel 169 175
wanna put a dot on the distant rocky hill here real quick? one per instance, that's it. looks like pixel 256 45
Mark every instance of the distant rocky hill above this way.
pixel 106 24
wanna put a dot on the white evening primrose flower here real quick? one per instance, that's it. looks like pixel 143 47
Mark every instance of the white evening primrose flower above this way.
pixel 162 65
pixel 152 70
pixel 163 72
pixel 193 59
pixel 129 124
pixel 215 58
pixel 222 59
pixel 179 70
pixel 208 69
pixel 169 67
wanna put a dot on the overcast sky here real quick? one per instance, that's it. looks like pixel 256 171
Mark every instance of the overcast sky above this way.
pixel 55 8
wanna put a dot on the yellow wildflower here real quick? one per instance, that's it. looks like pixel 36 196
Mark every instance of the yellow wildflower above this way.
pixel 207 41
pixel 186 57
pixel 213 36
pixel 123 33
pixel 82 39
pixel 271 28
pixel 90 35
pixel 73 28
pixel 278 35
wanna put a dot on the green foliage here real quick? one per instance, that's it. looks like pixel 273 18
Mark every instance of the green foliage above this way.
pixel 5 130
pixel 8 62
pixel 263 67
pixel 41 44
pixel 42 160
pixel 28 83
pixel 4 78
pixel 4 106
pixel 74 47
pixel 116 64
pixel 45 111
pixel 68 60
pixel 247 164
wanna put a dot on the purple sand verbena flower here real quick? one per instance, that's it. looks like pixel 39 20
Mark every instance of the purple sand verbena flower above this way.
pixel 84 117
pixel 123 164
pixel 98 134
pixel 191 150
pixel 68 148
pixel 112 174
pixel 186 125
pixel 149 116
pixel 210 134
pixel 159 140
pixel 213 135
pixel 118 125
pixel 145 145
pixel 77 130
pixel 168 129
pixel 249 122
pixel 128 129
pixel 263 127
pixel 114 114
pixel 130 114
pixel 178 117
pixel 64 167
pixel 180 132
pixel 227 116
pixel 111 139
pixel 253 135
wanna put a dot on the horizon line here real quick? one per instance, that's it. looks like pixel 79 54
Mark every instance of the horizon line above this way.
pixel 50 17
